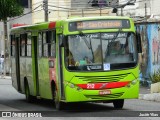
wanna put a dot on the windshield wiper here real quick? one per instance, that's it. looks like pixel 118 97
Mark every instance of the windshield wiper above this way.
pixel 85 40
pixel 89 45
pixel 113 39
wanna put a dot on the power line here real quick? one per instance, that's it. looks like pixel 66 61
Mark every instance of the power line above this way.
pixel 65 9
pixel 37 3
pixel 80 3
pixel 26 13
pixel 74 10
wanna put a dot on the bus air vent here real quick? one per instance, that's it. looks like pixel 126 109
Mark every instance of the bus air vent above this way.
pixel 108 78
pixel 108 96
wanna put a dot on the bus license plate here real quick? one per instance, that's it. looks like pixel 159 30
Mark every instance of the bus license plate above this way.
pixel 104 92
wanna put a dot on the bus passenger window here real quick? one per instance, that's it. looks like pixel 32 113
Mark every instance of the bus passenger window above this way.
pixel 23 38
pixel 53 44
pixel 45 45
pixel 29 53
pixel 12 45
pixel 40 44
pixel 49 44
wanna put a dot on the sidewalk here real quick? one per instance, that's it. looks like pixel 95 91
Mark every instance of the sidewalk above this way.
pixel 146 95
pixel 5 77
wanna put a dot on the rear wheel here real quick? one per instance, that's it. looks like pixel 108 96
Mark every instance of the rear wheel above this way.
pixel 118 103
pixel 29 98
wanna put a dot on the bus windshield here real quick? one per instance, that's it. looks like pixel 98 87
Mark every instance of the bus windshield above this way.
pixel 101 51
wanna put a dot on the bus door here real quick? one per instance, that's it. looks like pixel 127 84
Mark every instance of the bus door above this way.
pixel 60 66
pixel 17 55
pixel 35 60
pixel 46 62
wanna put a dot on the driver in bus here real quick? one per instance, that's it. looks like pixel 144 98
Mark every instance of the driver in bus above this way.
pixel 116 48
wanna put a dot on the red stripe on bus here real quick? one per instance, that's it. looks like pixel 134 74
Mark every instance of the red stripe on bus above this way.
pixel 52 25
pixel 97 86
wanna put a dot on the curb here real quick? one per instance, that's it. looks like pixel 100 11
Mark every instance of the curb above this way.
pixel 5 77
pixel 150 97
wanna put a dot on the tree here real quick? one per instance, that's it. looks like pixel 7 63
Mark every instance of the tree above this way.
pixel 9 8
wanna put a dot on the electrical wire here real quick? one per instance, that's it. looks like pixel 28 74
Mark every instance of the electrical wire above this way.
pixel 65 9
pixel 26 13
pixel 37 3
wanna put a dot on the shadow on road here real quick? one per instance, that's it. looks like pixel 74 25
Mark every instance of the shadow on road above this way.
pixel 76 107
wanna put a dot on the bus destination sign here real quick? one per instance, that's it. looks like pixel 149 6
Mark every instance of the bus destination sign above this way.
pixel 100 24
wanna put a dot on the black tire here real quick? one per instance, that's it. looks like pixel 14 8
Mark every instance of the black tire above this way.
pixel 58 104
pixel 29 98
pixel 118 104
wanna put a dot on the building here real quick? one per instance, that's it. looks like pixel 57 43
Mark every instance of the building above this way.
pixel 143 8
pixel 60 9
pixel 36 10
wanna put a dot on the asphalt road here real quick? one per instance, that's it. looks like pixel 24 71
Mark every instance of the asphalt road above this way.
pixel 11 100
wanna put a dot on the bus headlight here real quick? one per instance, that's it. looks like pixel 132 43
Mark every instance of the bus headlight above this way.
pixel 72 85
pixel 133 82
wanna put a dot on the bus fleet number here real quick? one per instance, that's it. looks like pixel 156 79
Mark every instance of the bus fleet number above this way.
pixel 90 86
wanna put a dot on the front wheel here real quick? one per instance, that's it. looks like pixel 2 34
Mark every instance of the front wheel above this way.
pixel 118 103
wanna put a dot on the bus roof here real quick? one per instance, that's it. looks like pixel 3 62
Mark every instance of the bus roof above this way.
pixel 52 24
pixel 96 17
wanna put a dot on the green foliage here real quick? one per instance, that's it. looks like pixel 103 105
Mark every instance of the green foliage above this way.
pixel 155 77
pixel 10 8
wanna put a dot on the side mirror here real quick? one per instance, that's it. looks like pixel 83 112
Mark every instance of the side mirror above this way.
pixel 138 39
pixel 62 40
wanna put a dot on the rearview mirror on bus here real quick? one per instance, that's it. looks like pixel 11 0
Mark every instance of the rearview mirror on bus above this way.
pixel 138 39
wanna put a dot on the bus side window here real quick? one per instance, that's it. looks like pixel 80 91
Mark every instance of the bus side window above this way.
pixel 12 45
pixel 45 44
pixel 53 44
pixel 49 39
pixel 29 51
pixel 40 44
pixel 23 40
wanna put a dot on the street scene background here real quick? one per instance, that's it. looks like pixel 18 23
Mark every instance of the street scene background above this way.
pixel 146 15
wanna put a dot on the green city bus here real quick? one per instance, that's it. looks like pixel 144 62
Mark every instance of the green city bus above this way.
pixel 85 59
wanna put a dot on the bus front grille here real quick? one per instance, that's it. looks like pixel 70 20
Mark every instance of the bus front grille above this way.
pixel 108 96
pixel 108 78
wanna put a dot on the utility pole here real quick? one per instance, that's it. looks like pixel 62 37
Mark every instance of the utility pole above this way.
pixel 45 7
pixel 145 10
pixel 121 11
